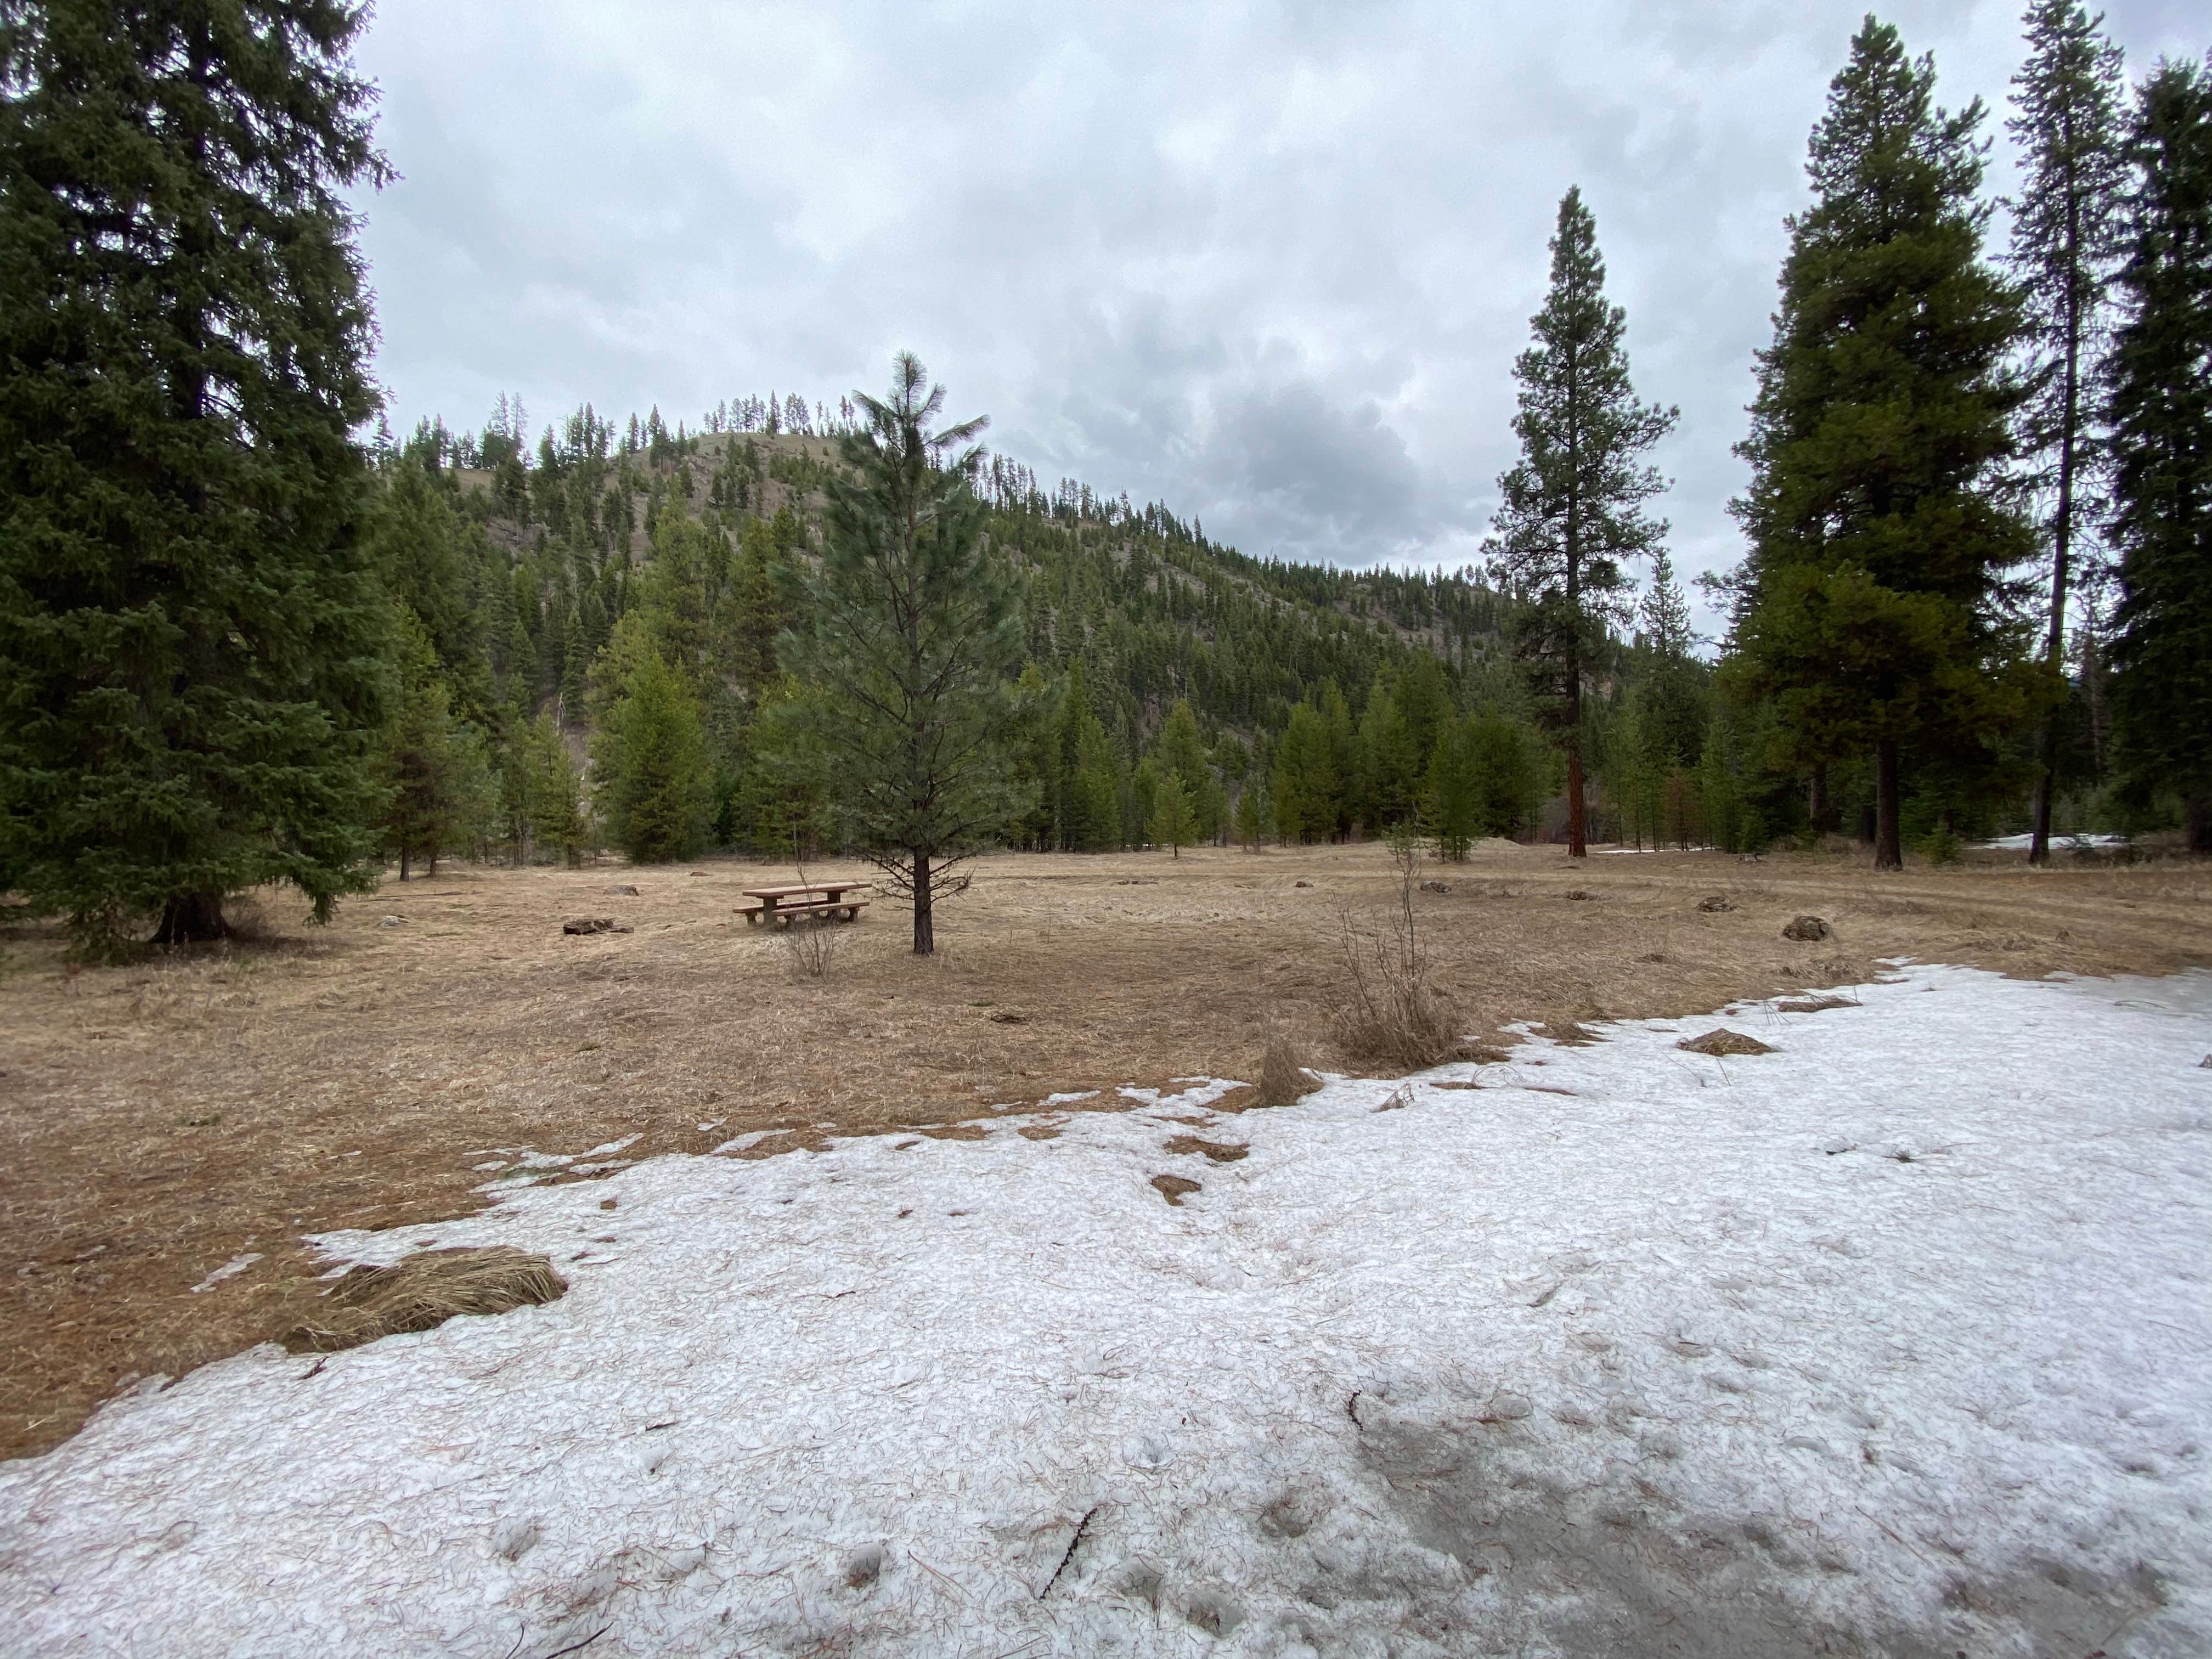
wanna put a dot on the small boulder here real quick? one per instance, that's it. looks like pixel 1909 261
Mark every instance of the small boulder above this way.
pixel 2205 1064
pixel 1577 893
pixel 1724 1041
pixel 1301 883
pixel 1715 905
pixel 623 889
pixel 393 921
pixel 1436 887
pixel 588 925
pixel 1806 930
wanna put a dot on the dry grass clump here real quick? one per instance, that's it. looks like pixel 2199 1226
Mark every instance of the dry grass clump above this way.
pixel 423 1292
pixel 1283 1077
pixel 1724 1041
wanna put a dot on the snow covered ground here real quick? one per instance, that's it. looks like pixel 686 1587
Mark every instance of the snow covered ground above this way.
pixel 1897 1340
pixel 2021 842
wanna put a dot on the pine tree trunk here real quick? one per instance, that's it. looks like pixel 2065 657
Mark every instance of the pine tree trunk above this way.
pixel 2047 740
pixel 191 918
pixel 1889 839
pixel 403 860
pixel 2038 846
pixel 2200 823
pixel 1816 800
pixel 1577 843
pixel 925 933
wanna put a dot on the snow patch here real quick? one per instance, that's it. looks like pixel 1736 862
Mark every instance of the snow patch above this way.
pixel 1895 1340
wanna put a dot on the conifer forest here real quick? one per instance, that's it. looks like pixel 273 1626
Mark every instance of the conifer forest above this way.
pixel 249 634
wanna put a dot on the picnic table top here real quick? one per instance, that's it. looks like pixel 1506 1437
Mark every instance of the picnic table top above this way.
pixel 832 887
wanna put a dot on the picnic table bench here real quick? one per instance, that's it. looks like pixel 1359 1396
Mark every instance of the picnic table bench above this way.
pixel 779 905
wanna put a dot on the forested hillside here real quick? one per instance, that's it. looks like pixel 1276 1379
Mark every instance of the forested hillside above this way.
pixel 1283 700
pixel 239 646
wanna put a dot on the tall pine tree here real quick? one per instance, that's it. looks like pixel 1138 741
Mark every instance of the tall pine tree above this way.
pixel 1871 608
pixel 191 643
pixel 2064 238
pixel 914 638
pixel 2159 405
pixel 1573 505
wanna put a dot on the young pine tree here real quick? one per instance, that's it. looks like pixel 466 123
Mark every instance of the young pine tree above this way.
pixel 914 638
pixel 1174 823
pixel 191 640
pixel 555 792
pixel 1573 504
pixel 2159 382
pixel 2065 237
pixel 1453 791
pixel 1252 815
pixel 1871 608
pixel 650 766
pixel 426 760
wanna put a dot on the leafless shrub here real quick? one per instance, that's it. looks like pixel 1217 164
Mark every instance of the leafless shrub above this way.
pixel 1283 1077
pixel 1392 1011
pixel 811 942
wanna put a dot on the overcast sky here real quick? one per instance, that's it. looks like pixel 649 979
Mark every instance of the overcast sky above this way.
pixel 1268 264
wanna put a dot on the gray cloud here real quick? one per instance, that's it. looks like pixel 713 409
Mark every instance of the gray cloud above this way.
pixel 1269 263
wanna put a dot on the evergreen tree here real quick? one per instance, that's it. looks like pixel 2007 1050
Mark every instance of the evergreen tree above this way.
pixel 191 672
pixel 786 793
pixel 2065 240
pixel 1672 681
pixel 554 793
pixel 1173 821
pixel 1509 765
pixel 1307 784
pixel 1872 607
pixel 1387 766
pixel 1180 751
pixel 915 639
pixel 1085 785
pixel 1454 791
pixel 417 543
pixel 1573 505
pixel 649 766
pixel 2160 407
pixel 1252 815
pixel 426 761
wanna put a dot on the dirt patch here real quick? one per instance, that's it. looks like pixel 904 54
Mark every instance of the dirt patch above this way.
pixel 1815 1005
pixel 1176 1188
pixel 1724 1041
pixel 1217 1151
pixel 164 1118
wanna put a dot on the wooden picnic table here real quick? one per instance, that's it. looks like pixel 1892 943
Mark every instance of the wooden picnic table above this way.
pixel 812 898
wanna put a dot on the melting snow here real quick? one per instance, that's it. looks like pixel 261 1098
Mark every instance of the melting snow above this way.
pixel 1897 1339
pixel 230 1269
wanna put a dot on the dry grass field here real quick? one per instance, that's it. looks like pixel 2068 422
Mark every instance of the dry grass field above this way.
pixel 165 1118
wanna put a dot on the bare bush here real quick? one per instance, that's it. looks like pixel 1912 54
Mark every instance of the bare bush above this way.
pixel 1283 1077
pixel 1392 1011
pixel 812 944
